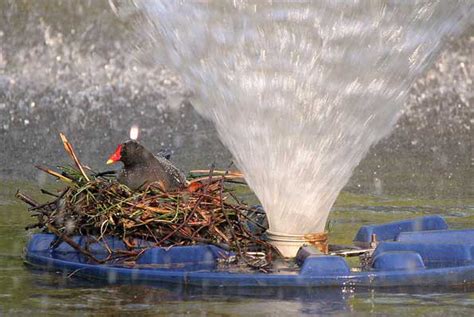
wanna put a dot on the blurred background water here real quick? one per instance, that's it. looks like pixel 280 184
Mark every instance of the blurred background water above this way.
pixel 67 66
pixel 71 66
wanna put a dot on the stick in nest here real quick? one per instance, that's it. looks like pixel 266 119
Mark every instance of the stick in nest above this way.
pixel 70 150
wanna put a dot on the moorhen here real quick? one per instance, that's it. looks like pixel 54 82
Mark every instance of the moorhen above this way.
pixel 141 168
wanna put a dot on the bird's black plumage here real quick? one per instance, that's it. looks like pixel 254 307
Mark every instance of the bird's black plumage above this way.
pixel 142 168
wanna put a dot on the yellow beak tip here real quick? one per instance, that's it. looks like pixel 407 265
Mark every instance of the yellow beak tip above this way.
pixel 110 162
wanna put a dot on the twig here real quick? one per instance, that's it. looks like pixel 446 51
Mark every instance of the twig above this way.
pixel 70 150
pixel 73 244
pixel 231 226
pixel 217 177
pixel 30 201
pixel 181 225
pixel 44 191
pixel 53 173
pixel 235 173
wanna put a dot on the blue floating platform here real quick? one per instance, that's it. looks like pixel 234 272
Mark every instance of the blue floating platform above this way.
pixel 416 252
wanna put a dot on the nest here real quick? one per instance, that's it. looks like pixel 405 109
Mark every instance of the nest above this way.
pixel 206 212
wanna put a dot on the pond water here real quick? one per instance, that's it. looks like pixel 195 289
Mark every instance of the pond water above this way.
pixel 64 66
pixel 25 291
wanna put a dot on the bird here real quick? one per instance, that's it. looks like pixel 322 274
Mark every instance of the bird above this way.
pixel 141 168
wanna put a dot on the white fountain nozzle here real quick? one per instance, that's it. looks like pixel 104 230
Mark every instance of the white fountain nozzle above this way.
pixel 289 244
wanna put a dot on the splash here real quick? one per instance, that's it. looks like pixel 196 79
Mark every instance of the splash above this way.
pixel 299 91
pixel 134 130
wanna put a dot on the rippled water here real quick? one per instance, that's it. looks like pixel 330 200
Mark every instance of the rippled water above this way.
pixel 26 292
pixel 67 66
pixel 299 91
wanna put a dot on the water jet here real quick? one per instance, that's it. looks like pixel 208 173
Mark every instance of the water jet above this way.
pixel 298 91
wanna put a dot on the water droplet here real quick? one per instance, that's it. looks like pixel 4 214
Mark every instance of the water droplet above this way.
pixel 134 130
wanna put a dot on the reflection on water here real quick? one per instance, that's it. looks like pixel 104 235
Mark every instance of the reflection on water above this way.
pixel 26 291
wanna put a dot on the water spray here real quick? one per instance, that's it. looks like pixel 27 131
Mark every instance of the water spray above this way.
pixel 299 91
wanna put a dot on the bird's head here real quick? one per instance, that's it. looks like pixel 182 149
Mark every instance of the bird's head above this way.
pixel 129 153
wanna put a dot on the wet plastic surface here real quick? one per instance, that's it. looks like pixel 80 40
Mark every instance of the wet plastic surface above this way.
pixel 391 231
pixel 436 258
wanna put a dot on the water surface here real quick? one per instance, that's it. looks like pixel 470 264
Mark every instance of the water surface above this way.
pixel 25 291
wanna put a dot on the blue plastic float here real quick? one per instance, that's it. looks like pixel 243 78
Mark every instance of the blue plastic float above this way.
pixel 416 252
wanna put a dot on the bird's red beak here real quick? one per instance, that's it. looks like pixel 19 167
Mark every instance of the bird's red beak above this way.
pixel 116 156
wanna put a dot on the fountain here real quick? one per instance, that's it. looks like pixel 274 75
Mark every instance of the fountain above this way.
pixel 298 91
